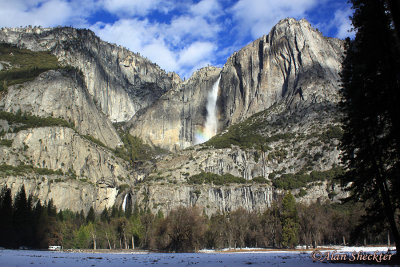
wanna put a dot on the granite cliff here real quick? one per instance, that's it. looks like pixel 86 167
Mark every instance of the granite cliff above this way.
pixel 293 65
pixel 276 112
pixel 119 81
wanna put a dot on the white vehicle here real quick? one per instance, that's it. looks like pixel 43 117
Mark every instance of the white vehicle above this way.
pixel 55 248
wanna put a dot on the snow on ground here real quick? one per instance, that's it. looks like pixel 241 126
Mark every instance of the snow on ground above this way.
pixel 33 258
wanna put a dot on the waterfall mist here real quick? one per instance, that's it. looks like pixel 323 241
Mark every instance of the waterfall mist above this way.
pixel 210 127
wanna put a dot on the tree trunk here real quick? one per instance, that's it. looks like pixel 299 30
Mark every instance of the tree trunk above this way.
pixel 389 211
pixel 94 241
pixel 133 242
pixel 108 241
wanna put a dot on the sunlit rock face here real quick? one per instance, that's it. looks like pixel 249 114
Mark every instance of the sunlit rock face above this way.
pixel 119 81
pixel 173 121
pixel 61 94
pixel 294 64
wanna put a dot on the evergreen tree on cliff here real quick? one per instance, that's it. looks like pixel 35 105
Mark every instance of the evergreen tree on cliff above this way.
pixel 371 104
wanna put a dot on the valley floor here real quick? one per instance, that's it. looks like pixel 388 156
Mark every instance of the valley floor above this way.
pixel 254 257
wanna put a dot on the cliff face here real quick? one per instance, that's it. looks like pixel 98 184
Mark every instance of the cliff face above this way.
pixel 166 196
pixel 293 63
pixel 276 111
pixel 213 199
pixel 119 81
pixel 61 94
pixel 171 122
pixel 85 174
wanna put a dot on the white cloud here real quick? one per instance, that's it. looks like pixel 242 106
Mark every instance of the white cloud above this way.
pixel 184 43
pixel 196 53
pixel 193 35
pixel 149 39
pixel 139 36
pixel 44 12
pixel 207 8
pixel 131 7
pixel 160 53
pixel 184 27
pixel 259 16
pixel 340 25
pixel 343 23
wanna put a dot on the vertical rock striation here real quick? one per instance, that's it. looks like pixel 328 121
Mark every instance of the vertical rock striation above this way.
pixel 294 63
pixel 120 82
pixel 171 122
pixel 61 94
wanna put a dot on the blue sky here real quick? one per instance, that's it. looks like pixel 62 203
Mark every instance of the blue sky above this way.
pixel 180 35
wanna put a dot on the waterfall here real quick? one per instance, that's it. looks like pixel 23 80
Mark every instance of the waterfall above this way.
pixel 124 202
pixel 210 127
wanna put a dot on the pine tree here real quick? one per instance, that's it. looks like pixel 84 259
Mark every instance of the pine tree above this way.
pixel 91 216
pixel 289 218
pixel 371 97
pixel 6 212
pixel 21 218
pixel 104 216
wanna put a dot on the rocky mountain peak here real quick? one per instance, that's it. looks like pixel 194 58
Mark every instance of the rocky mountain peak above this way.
pixel 120 82
pixel 275 67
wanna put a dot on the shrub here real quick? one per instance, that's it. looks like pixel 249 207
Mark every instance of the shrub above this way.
pixel 333 132
pixel 292 181
pixel 122 187
pixel 260 180
pixel 5 142
pixel 135 149
pixel 94 140
pixel 31 121
pixel 301 193
pixel 30 64
pixel 23 169
pixel 208 178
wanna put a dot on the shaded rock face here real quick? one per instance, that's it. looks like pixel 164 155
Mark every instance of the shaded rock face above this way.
pixel 61 94
pixel 69 194
pixel 91 173
pixel 59 148
pixel 120 82
pixel 212 198
pixel 172 121
pixel 217 199
pixel 293 63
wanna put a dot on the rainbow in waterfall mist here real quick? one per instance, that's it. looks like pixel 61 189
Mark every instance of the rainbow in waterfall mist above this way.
pixel 203 133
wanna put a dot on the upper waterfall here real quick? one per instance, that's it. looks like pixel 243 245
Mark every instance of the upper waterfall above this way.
pixel 211 125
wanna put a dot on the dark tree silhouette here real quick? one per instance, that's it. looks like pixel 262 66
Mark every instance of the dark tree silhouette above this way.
pixel 371 97
pixel 6 211
pixel 91 216
pixel 21 219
